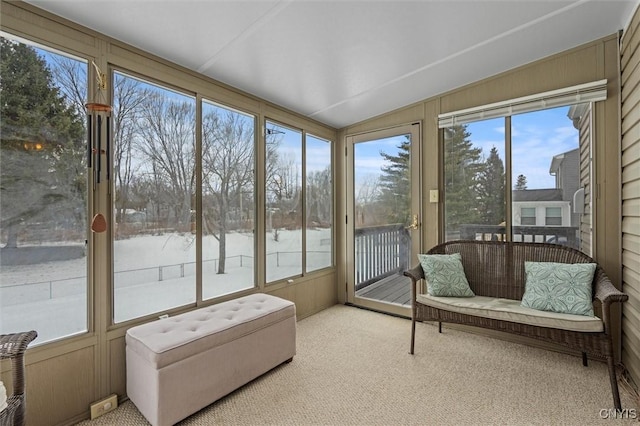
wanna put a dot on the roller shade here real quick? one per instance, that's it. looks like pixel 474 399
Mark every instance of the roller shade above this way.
pixel 587 92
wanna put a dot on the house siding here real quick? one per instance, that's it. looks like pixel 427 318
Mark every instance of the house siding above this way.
pixel 630 179
pixel 585 222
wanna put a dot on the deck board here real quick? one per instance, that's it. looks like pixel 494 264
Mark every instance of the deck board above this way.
pixel 393 289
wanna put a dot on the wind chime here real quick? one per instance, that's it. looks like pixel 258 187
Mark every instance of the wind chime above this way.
pixel 99 141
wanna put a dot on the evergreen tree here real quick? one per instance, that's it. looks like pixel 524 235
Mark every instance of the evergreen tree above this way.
pixel 395 184
pixel 461 166
pixel 521 183
pixel 490 190
pixel 43 176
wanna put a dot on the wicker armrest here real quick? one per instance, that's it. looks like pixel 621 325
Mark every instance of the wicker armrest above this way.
pixel 416 273
pixel 606 293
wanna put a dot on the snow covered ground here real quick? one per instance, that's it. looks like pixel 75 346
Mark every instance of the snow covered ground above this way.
pixel 151 274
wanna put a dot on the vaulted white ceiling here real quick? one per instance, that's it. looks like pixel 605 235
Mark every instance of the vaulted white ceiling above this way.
pixel 344 61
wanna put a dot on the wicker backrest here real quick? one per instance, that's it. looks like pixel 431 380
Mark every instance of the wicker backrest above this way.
pixel 496 268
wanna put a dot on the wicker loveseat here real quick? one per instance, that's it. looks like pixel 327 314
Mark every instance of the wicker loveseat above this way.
pixel 495 271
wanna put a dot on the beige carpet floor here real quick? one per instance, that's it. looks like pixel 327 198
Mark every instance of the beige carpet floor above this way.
pixel 353 368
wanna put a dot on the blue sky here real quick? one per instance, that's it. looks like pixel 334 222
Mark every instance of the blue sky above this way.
pixel 536 138
pixel 367 159
pixel 318 150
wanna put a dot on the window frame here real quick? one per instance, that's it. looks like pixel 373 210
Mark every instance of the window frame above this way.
pixel 84 56
pixel 554 217
pixel 472 115
pixel 529 217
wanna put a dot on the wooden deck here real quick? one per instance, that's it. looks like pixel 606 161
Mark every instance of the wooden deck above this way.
pixel 393 289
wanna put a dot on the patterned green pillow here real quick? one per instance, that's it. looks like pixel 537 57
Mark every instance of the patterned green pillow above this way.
pixel 559 287
pixel 445 275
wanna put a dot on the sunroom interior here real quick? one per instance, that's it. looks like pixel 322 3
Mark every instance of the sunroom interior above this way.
pixel 170 156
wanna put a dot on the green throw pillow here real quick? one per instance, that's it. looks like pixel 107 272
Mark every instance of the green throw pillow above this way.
pixel 445 275
pixel 559 287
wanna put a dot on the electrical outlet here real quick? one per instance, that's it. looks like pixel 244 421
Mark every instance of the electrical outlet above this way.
pixel 433 196
pixel 104 406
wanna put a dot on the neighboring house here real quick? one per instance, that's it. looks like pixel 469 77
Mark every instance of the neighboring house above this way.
pixel 553 206
pixel 541 207
pixel 566 169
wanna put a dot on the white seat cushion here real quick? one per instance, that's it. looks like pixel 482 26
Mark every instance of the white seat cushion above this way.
pixel 511 310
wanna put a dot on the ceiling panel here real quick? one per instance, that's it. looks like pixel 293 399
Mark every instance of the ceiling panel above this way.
pixel 341 62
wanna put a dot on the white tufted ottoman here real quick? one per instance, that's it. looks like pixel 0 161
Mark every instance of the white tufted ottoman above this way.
pixel 179 365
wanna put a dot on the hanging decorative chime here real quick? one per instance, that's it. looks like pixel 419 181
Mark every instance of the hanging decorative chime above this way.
pixel 99 143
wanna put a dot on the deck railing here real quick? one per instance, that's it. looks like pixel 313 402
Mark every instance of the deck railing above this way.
pixel 565 235
pixel 380 251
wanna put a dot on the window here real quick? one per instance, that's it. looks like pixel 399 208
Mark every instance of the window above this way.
pixel 319 203
pixel 157 190
pixel 474 180
pixel 298 204
pixel 228 200
pixel 553 216
pixel 528 216
pixel 546 169
pixel 43 176
pixel 549 162
pixel 283 202
pixel 154 264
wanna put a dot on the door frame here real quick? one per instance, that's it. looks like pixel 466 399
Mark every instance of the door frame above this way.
pixel 414 129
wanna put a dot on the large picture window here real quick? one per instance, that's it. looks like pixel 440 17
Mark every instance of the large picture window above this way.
pixel 154 264
pixel 228 200
pixel 43 181
pixel 548 149
pixel 474 179
pixel 157 226
pixel 298 203
pixel 283 202
pixel 319 203
pixel 180 172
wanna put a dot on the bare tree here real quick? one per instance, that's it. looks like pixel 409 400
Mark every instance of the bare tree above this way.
pixel 70 77
pixel 319 199
pixel 129 98
pixel 367 196
pixel 285 181
pixel 167 136
pixel 228 161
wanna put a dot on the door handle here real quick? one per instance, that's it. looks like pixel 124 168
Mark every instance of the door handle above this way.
pixel 414 223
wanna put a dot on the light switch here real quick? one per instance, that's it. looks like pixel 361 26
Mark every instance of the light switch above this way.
pixel 433 196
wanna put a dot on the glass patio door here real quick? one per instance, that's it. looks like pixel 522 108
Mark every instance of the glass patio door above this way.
pixel 383 218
